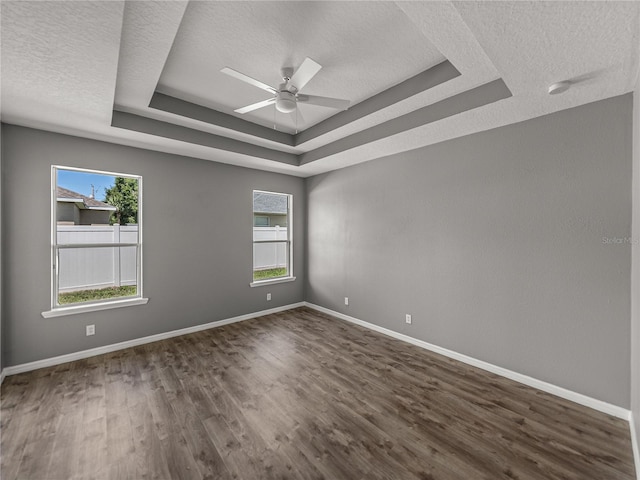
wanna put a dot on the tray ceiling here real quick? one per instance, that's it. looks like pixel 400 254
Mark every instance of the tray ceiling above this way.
pixel 364 48
pixel 147 73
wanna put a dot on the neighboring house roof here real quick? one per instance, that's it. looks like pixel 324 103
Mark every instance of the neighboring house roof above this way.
pixel 269 203
pixel 83 202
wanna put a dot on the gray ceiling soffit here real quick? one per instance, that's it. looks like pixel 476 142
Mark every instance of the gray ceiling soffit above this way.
pixel 476 97
pixel 174 105
pixel 150 126
pixel 431 77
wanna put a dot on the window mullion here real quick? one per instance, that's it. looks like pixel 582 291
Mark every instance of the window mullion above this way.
pixel 95 245
pixel 271 241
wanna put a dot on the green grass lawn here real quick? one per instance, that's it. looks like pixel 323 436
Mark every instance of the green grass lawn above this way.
pixel 92 295
pixel 130 290
pixel 271 273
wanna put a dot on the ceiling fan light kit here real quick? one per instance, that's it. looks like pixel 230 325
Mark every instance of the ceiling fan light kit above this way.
pixel 285 101
pixel 287 96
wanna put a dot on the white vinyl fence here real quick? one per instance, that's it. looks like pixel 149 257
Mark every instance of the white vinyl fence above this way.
pixel 100 267
pixel 269 255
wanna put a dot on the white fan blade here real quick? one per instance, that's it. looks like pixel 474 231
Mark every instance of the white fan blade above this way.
pixel 255 106
pixel 324 101
pixel 304 73
pixel 248 79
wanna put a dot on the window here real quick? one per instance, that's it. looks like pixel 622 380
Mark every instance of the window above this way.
pixel 260 221
pixel 96 240
pixel 272 237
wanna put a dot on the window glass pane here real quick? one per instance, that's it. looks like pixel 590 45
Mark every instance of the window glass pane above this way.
pixel 270 209
pixel 88 234
pixel 270 216
pixel 270 260
pixel 96 273
pixel 260 221
pixel 89 198
pixel 270 233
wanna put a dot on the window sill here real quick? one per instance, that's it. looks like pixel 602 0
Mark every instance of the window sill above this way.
pixel 272 281
pixel 94 307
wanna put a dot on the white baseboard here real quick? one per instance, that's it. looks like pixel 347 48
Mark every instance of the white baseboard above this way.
pixel 634 444
pixel 532 382
pixel 70 357
pixel 518 377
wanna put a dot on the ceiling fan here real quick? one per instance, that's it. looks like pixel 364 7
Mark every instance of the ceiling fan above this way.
pixel 287 95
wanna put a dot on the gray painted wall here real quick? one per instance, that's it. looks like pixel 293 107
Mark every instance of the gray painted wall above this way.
pixel 210 201
pixel 494 243
pixel 635 276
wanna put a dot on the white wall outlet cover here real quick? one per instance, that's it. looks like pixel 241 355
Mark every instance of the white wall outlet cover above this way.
pixel 268 297
pixel 346 300
pixel 407 318
pixel 91 330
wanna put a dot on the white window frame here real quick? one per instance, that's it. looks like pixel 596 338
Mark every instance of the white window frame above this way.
pixel 105 304
pixel 290 277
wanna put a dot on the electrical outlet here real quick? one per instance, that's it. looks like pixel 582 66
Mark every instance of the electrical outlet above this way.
pixel 407 318
pixel 346 300
pixel 91 330
pixel 268 297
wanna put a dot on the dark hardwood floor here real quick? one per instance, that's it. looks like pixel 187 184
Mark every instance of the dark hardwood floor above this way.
pixel 296 395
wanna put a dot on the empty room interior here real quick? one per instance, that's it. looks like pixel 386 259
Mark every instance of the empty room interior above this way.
pixel 320 240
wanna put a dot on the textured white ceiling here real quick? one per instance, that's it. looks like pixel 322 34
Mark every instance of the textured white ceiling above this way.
pixel 65 64
pixel 144 48
pixel 58 60
pixel 534 44
pixel 442 24
pixel 363 47
pixel 531 44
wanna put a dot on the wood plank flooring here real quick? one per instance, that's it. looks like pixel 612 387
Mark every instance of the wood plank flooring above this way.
pixel 296 395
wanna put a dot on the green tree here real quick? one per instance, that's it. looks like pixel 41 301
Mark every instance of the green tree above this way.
pixel 124 196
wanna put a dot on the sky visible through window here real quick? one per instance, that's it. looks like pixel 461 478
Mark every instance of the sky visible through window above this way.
pixel 81 182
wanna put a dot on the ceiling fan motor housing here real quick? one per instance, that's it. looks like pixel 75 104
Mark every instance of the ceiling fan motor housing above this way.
pixel 285 102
